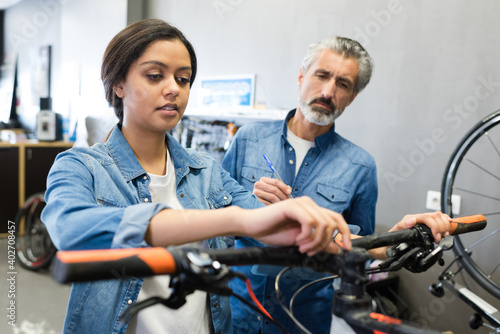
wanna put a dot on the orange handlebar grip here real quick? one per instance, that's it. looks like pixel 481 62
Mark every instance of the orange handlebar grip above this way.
pixel 467 224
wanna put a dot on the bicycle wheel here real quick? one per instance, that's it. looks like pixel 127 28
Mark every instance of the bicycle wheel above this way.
pixel 34 249
pixel 473 172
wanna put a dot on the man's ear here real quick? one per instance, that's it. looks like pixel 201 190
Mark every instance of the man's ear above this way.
pixel 300 77
pixel 118 89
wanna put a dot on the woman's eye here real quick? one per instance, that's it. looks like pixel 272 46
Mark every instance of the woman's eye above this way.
pixel 154 77
pixel 183 80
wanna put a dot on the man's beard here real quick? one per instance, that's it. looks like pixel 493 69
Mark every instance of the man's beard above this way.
pixel 319 115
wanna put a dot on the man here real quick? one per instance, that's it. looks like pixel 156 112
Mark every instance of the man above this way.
pixel 312 160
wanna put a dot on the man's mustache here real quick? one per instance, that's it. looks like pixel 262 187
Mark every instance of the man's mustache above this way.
pixel 325 101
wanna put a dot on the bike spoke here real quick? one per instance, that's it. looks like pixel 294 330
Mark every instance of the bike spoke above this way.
pixel 483 239
pixel 492 143
pixel 494 269
pixel 475 193
pixel 482 168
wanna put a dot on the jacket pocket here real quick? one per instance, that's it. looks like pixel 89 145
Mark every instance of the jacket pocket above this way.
pixel 333 198
pixel 250 175
pixel 219 199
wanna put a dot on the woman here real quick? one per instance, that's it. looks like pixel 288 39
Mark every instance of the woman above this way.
pixel 141 188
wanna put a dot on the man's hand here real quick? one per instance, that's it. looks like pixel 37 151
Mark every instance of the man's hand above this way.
pixel 438 222
pixel 269 190
pixel 299 222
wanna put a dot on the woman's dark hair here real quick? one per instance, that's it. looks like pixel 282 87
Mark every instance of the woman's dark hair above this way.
pixel 127 46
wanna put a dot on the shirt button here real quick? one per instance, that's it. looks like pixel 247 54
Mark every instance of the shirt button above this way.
pixel 306 164
pixel 258 318
pixel 225 198
pixel 146 200
pixel 129 301
pixel 290 162
pixel 145 177
pixel 290 149
pixel 215 304
pixel 181 195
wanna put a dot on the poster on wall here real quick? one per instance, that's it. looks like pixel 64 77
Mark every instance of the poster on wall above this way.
pixel 237 91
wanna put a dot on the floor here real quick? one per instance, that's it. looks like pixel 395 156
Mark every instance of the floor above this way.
pixel 40 302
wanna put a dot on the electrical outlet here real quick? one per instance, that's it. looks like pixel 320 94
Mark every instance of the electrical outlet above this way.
pixel 434 202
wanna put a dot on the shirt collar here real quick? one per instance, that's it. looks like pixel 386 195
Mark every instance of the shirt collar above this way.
pixel 321 141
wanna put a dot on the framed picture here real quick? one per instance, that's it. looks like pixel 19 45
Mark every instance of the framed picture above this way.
pixel 227 91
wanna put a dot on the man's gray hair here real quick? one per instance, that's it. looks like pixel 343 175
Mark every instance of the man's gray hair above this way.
pixel 347 48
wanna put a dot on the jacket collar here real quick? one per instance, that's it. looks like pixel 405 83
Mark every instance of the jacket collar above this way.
pixel 121 152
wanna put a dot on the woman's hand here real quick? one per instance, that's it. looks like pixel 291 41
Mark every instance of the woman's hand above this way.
pixel 299 222
pixel 438 222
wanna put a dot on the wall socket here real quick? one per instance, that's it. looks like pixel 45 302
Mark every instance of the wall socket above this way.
pixel 434 202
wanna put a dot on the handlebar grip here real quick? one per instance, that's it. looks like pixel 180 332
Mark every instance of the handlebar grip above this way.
pixel 467 224
pixel 92 265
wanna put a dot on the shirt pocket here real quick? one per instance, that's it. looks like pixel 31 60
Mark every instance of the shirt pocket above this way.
pixel 333 198
pixel 219 199
pixel 250 175
pixel 106 202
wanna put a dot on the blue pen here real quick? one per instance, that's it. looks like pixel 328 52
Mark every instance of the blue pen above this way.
pixel 270 164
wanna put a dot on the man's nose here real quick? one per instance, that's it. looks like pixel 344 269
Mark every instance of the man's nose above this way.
pixel 329 89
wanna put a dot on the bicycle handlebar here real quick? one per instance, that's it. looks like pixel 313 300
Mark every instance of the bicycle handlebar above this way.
pixel 457 226
pixel 89 265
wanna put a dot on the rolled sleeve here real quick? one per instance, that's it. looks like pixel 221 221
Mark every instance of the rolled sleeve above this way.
pixel 131 230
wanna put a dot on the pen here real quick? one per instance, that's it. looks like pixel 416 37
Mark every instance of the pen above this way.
pixel 270 164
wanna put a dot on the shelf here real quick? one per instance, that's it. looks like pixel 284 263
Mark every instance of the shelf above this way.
pixel 238 115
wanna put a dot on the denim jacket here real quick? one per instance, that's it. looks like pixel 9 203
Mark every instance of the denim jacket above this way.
pixel 99 198
pixel 337 175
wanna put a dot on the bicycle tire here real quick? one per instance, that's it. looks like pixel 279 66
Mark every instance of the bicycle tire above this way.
pixel 449 187
pixel 34 248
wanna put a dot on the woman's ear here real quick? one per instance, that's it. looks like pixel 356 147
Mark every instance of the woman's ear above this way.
pixel 118 89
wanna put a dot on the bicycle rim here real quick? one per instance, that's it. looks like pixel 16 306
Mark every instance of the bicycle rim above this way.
pixel 34 249
pixel 473 172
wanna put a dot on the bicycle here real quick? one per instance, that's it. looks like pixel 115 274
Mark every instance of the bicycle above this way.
pixel 471 173
pixel 34 248
pixel 209 270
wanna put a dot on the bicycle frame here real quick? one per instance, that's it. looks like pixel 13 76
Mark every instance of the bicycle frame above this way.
pixel 209 270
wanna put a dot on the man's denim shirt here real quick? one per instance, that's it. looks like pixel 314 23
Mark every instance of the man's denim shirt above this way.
pixel 99 198
pixel 336 174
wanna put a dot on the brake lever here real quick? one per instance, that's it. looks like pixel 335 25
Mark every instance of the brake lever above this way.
pixel 436 255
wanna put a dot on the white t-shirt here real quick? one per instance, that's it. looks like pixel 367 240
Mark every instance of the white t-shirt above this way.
pixel 301 147
pixel 193 316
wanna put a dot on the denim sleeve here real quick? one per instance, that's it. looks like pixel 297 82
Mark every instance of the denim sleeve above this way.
pixel 229 160
pixel 75 220
pixel 131 230
pixel 363 209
